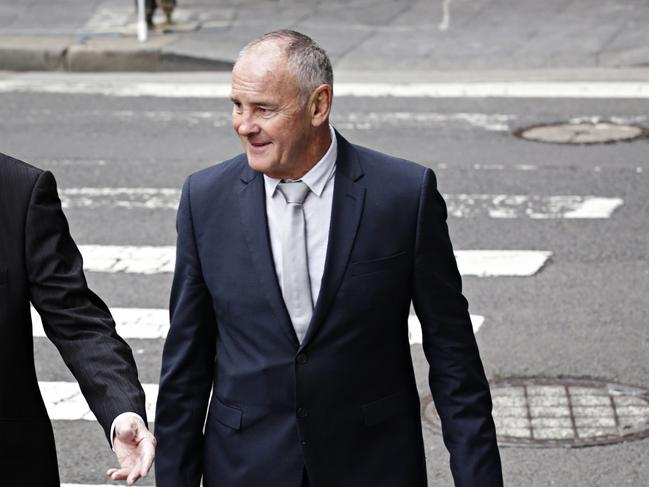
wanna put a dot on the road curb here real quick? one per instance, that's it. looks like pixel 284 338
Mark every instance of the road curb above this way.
pixel 100 54
pixel 33 53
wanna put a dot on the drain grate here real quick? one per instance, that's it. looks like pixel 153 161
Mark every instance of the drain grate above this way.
pixel 582 132
pixel 563 412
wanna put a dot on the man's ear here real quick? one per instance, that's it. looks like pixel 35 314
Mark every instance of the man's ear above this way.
pixel 320 105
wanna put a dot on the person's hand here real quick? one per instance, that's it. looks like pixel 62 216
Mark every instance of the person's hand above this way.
pixel 134 446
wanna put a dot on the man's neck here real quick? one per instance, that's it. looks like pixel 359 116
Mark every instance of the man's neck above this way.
pixel 316 150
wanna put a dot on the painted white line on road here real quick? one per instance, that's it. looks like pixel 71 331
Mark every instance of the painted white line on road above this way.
pixel 109 19
pixel 527 206
pixel 414 327
pixel 500 89
pixel 135 323
pixel 155 260
pixel 501 263
pixel 138 323
pixel 64 401
pixel 459 205
pixel 495 122
pixel 129 259
pixel 595 208
pixel 149 198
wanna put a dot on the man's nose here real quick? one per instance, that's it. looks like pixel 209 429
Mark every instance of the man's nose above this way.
pixel 244 124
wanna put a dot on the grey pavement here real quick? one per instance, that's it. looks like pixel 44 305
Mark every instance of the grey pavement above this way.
pixel 360 35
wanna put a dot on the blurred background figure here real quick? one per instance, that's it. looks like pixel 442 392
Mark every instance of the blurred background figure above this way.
pixel 150 6
pixel 168 7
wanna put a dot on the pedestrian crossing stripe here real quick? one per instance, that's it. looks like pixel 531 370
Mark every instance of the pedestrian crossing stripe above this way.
pixel 64 401
pixel 161 259
pixel 149 323
pixel 131 323
pixel 459 205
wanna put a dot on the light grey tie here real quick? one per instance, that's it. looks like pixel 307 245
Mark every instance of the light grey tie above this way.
pixel 296 286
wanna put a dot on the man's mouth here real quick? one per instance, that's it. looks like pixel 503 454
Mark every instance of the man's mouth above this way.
pixel 259 145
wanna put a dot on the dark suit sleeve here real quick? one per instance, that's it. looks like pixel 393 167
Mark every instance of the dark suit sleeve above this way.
pixel 457 380
pixel 74 318
pixel 187 364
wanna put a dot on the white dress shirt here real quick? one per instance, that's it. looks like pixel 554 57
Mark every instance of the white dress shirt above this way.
pixel 317 212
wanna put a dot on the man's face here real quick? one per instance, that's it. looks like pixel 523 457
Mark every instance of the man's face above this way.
pixel 274 128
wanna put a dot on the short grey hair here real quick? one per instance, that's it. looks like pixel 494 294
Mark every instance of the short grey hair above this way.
pixel 306 59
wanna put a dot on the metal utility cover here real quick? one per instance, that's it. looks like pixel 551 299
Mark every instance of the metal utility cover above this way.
pixel 562 412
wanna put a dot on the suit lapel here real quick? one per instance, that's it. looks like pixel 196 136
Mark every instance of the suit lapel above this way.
pixel 255 226
pixel 346 210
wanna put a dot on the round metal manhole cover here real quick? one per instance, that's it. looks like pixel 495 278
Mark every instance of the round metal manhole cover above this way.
pixel 562 412
pixel 582 132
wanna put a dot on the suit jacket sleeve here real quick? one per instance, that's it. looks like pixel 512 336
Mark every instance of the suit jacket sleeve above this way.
pixel 187 363
pixel 457 379
pixel 74 318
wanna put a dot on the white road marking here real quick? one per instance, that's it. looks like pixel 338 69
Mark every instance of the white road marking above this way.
pixel 135 323
pixel 161 259
pixel 138 323
pixel 501 263
pixel 414 327
pixel 150 198
pixel 459 205
pixel 493 122
pixel 129 259
pixel 109 19
pixel 527 206
pixel 64 401
pixel 446 16
pixel 498 89
pixel 595 208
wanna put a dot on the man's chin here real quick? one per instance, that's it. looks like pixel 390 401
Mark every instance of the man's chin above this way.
pixel 258 164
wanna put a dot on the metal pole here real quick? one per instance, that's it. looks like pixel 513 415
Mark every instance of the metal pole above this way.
pixel 141 21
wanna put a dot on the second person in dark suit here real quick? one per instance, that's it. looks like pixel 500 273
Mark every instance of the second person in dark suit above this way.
pixel 40 264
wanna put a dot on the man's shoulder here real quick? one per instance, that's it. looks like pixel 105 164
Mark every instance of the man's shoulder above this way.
pixel 218 174
pixel 384 166
pixel 17 168
pixel 16 175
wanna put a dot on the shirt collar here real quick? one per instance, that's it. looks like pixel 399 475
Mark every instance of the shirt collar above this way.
pixel 316 178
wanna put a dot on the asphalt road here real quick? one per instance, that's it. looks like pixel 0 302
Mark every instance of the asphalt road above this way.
pixel 584 314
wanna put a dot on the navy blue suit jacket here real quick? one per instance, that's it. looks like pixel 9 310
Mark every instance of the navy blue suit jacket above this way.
pixel 343 404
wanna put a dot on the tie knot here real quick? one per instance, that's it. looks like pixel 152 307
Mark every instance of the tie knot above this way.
pixel 294 191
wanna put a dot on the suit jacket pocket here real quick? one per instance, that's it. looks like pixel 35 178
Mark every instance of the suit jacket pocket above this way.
pixel 227 415
pixel 388 407
pixel 376 265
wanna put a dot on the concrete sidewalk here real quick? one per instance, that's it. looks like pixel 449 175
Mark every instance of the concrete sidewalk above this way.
pixel 360 35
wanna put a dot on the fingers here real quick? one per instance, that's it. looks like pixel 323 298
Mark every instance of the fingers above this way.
pixel 148 454
pixel 130 475
pixel 139 461
pixel 118 473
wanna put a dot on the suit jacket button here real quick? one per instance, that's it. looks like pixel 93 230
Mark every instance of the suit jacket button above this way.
pixel 302 413
pixel 302 358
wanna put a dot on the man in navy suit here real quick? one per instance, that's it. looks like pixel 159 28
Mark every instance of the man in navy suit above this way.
pixel 296 266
